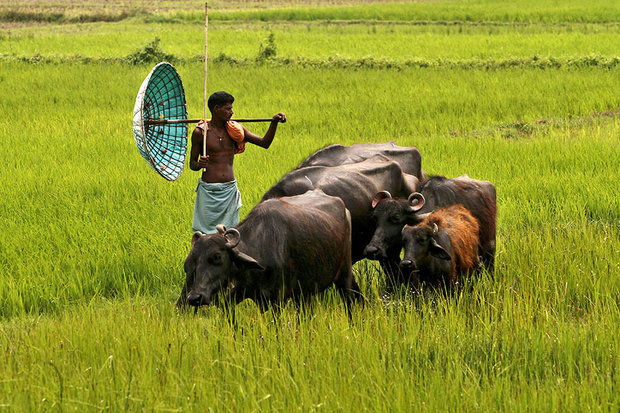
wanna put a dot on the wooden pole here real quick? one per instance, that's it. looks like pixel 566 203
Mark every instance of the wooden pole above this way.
pixel 206 125
pixel 177 121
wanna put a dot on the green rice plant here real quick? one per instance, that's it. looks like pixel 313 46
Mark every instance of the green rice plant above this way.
pixel 321 42
pixel 489 348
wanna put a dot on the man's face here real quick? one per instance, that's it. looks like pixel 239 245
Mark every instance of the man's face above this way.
pixel 223 112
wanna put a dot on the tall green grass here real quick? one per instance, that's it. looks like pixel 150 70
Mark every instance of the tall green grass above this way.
pixel 495 347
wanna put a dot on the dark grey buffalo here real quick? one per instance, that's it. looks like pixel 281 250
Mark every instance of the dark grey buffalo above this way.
pixel 289 247
pixel 408 158
pixel 392 213
pixel 356 184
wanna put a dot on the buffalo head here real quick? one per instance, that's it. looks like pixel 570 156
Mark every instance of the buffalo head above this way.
pixel 213 264
pixel 391 216
pixel 423 251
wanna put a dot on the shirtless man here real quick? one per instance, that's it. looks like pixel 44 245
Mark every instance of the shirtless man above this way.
pixel 217 197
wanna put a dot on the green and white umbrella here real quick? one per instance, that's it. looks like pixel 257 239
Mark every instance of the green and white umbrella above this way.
pixel 164 144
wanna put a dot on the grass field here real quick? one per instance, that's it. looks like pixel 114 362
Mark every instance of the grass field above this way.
pixel 523 94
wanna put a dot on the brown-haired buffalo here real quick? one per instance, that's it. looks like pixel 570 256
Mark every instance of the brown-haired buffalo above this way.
pixel 393 213
pixel 441 248
pixel 290 247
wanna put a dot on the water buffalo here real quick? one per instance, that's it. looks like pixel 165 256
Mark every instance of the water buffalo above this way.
pixel 408 158
pixel 356 184
pixel 393 213
pixel 290 247
pixel 441 248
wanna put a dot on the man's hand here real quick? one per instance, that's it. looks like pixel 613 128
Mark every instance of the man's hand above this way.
pixel 279 117
pixel 203 162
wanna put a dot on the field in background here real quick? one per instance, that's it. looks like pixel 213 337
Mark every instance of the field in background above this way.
pixel 520 11
pixel 322 43
pixel 92 241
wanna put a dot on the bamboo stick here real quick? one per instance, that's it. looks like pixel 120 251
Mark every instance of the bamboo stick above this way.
pixel 176 121
pixel 204 138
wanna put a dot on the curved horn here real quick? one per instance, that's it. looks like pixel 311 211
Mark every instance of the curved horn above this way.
pixel 379 196
pixel 232 238
pixel 435 228
pixel 416 201
pixel 221 229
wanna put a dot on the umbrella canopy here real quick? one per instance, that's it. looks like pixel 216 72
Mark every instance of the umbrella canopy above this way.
pixel 161 96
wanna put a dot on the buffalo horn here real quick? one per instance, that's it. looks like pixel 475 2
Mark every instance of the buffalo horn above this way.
pixel 435 228
pixel 221 229
pixel 196 237
pixel 416 201
pixel 232 238
pixel 379 196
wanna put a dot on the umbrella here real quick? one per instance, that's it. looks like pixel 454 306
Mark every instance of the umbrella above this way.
pixel 163 145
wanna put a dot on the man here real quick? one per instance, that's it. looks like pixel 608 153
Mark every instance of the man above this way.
pixel 217 197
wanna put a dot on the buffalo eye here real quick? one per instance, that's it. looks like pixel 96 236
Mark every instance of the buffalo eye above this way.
pixel 395 219
pixel 216 259
pixel 420 240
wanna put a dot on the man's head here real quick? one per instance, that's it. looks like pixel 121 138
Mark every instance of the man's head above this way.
pixel 219 99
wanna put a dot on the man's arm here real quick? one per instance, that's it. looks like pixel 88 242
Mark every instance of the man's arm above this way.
pixel 197 162
pixel 266 140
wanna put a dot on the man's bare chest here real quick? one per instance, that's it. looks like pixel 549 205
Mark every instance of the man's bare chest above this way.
pixel 219 140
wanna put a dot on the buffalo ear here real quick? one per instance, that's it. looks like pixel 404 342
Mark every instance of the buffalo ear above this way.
pixel 246 261
pixel 379 196
pixel 438 251
pixel 196 237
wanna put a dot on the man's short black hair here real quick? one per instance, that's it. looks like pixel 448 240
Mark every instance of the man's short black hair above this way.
pixel 219 99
